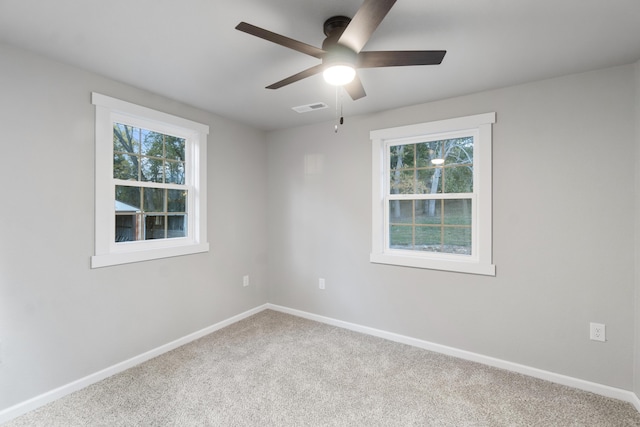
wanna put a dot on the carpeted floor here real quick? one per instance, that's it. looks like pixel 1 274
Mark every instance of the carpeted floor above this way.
pixel 273 369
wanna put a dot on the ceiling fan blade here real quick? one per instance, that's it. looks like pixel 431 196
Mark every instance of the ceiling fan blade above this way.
pixel 364 23
pixel 281 40
pixel 398 58
pixel 296 77
pixel 355 89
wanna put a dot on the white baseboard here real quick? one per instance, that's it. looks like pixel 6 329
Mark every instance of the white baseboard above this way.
pixel 41 400
pixel 635 401
pixel 592 387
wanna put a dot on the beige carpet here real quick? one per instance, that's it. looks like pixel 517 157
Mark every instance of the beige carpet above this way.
pixel 274 369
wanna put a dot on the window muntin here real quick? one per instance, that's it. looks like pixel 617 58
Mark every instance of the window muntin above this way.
pixel 431 195
pixel 150 184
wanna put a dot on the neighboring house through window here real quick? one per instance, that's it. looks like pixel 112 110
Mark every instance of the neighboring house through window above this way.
pixel 150 184
pixel 432 195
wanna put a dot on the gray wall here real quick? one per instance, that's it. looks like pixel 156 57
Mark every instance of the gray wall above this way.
pixel 563 213
pixel 60 320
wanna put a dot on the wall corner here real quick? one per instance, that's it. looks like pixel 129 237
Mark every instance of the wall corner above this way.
pixel 636 358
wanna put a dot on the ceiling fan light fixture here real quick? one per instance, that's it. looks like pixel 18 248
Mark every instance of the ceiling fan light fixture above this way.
pixel 339 74
pixel 339 65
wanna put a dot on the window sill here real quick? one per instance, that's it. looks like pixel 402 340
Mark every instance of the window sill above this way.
pixel 458 266
pixel 110 259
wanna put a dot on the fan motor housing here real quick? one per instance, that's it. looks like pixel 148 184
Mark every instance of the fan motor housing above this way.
pixel 333 29
pixel 335 23
pixel 339 55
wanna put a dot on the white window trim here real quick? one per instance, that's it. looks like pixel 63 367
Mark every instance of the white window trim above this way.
pixel 107 251
pixel 481 260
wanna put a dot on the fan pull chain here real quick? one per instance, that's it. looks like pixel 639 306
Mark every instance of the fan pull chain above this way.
pixel 341 119
pixel 335 127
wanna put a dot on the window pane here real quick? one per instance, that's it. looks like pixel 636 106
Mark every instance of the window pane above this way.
pixel 428 211
pixel 401 211
pixel 426 152
pixel 125 228
pixel 402 181
pixel 154 227
pixel 429 181
pixel 395 156
pixel 457 212
pixel 174 172
pixel 428 238
pixel 401 237
pixel 127 210
pixel 176 226
pixel 126 138
pixel 152 169
pixel 457 240
pixel 154 199
pixel 174 147
pixel 152 143
pixel 125 166
pixel 408 158
pixel 401 156
pixel 458 179
pixel 128 198
pixel 176 201
pixel 459 151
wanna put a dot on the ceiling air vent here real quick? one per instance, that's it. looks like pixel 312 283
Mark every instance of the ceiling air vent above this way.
pixel 310 107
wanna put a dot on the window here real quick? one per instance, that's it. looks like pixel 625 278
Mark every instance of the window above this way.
pixel 150 184
pixel 432 195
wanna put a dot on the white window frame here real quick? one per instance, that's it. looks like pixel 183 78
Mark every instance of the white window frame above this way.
pixel 109 252
pixel 480 260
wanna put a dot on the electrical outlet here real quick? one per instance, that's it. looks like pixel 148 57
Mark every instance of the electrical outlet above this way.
pixel 597 332
pixel 245 281
pixel 321 283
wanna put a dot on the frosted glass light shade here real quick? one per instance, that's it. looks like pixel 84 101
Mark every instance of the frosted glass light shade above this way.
pixel 339 75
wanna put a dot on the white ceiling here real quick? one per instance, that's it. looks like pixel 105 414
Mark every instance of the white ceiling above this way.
pixel 188 50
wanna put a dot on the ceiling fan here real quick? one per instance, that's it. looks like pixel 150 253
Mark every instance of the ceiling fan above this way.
pixel 342 49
